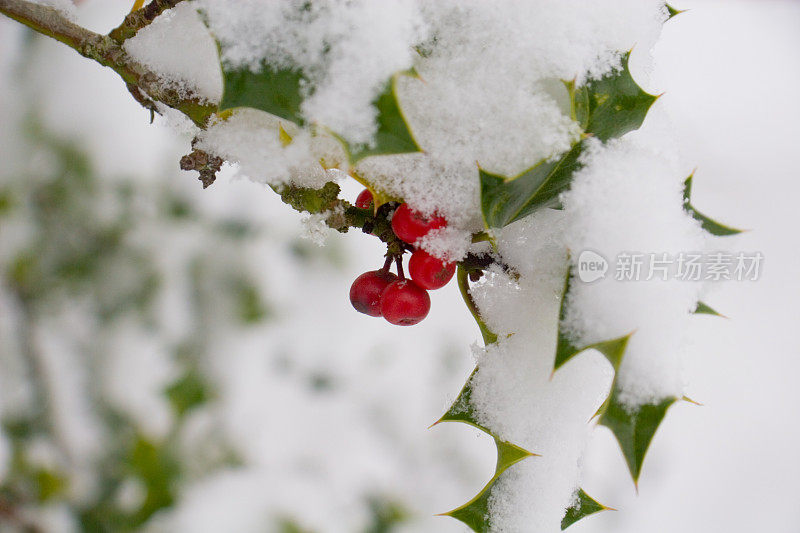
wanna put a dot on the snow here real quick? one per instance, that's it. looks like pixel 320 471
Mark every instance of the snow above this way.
pixel 64 7
pixel 391 385
pixel 178 47
pixel 627 199
pixel 347 62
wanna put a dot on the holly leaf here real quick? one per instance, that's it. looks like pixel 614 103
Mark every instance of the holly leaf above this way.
pixel 613 349
pixel 704 309
pixel 281 91
pixel 711 226
pixel 610 106
pixel 672 12
pixel 393 135
pixel 508 199
pixel 583 506
pixel 276 91
pixel 475 513
pixel 461 409
pixel 633 427
pixel 605 108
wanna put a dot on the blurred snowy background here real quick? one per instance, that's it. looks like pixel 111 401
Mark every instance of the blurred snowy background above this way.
pixel 180 360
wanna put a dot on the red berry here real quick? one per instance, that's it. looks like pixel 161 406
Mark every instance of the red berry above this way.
pixel 404 303
pixel 430 272
pixel 410 225
pixel 366 290
pixel 364 200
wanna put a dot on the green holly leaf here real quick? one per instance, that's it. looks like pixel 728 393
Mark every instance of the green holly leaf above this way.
pixel 507 199
pixel 276 91
pixel 704 309
pixel 584 506
pixel 475 513
pixel 613 349
pixel 711 226
pixel 462 410
pixel 611 106
pixel 393 135
pixel 672 12
pixel 633 427
pixel 281 91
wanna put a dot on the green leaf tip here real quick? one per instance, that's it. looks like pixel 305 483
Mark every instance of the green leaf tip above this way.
pixel 708 224
pixel 705 309
pixel 672 12
pixel 583 506
pixel 634 428
pixel 476 513
pixel 461 409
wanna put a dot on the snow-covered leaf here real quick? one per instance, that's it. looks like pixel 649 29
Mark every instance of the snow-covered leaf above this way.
pixel 583 506
pixel 507 199
pixel 462 410
pixel 611 106
pixel 710 225
pixel 613 349
pixel 279 92
pixel 475 513
pixel 393 135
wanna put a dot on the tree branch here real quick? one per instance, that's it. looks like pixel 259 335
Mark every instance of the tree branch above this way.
pixel 107 52
pixel 136 20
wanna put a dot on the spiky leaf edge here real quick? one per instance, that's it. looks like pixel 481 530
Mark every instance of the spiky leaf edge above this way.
pixel 633 427
pixel 708 224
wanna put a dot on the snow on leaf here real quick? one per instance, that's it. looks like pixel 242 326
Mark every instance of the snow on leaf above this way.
pixel 278 92
pixel 281 92
pixel 611 106
pixel 605 108
pixel 613 349
pixel 584 506
pixel 633 427
pixel 393 135
pixel 475 513
pixel 710 225
pixel 462 410
pixel 505 200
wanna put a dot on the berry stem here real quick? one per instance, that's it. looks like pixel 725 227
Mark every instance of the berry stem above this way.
pixel 387 264
pixel 399 262
pixel 489 337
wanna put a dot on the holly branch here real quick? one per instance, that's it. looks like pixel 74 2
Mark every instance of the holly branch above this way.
pixel 109 52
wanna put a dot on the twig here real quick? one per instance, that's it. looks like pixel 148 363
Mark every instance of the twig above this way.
pixel 106 51
pixel 136 20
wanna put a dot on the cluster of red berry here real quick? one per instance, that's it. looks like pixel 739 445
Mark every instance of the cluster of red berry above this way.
pixel 401 301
